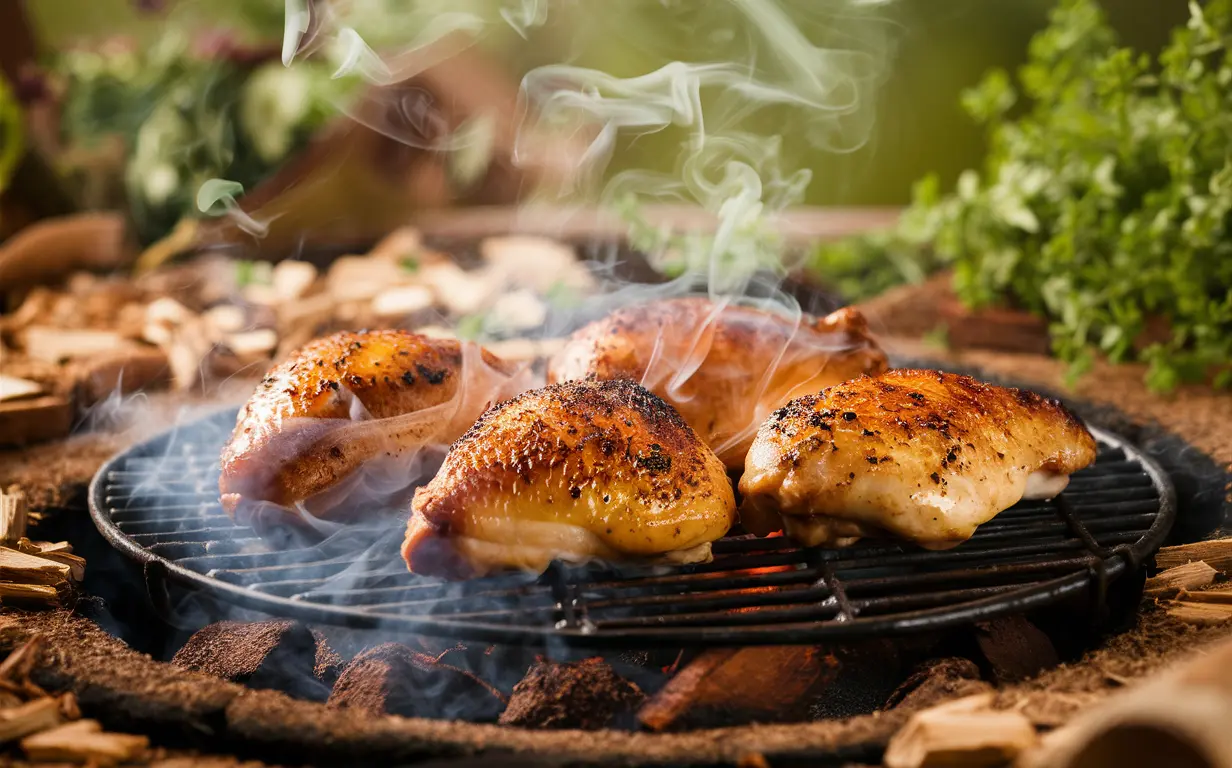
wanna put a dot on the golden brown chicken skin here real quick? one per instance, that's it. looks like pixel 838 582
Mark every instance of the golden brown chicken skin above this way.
pixel 724 367
pixel 921 455
pixel 345 400
pixel 593 469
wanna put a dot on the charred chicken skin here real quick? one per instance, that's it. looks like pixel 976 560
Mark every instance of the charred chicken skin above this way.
pixel 921 455
pixel 588 469
pixel 724 367
pixel 355 400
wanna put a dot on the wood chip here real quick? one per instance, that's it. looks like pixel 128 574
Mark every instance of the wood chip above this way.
pixel 291 279
pixel 13 516
pixel 54 345
pixel 32 717
pixel 537 263
pixel 358 278
pixel 402 301
pixel 253 345
pixel 25 422
pixel 1217 553
pixel 12 388
pixel 17 665
pixel 960 733
pixel 1173 580
pixel 402 243
pixel 59 552
pixel 1220 594
pixel 1202 614
pixel 22 568
pixel 84 742
pixel 23 594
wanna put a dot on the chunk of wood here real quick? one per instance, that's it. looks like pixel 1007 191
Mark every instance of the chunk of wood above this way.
pixel 587 694
pixel 402 243
pixel 537 263
pixel 995 328
pixel 460 291
pixel 122 371
pixel 761 684
pixel 22 568
pixel 1217 553
pixel 359 278
pixel 28 718
pixel 1201 613
pixel 25 422
pixel 13 516
pixel 251 346
pixel 12 388
pixel 280 655
pixel 960 733
pixel 520 350
pixel 1188 576
pixel 84 742
pixel 54 345
pixel 393 679
pixel 48 250
pixel 1015 648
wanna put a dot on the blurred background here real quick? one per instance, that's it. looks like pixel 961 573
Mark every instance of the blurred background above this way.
pixel 114 64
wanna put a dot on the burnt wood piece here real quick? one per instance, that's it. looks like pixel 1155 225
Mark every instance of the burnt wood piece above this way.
pixel 585 694
pixel 395 680
pixel 279 655
pixel 129 692
pixel 1014 648
pixel 937 681
pixel 758 684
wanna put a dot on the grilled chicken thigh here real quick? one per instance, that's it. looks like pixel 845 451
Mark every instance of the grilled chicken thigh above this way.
pixel 724 367
pixel 378 400
pixel 594 469
pixel 922 455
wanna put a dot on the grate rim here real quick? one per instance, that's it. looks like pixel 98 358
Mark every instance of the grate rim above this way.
pixel 1113 517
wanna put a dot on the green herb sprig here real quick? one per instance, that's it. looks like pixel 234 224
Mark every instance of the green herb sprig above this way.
pixel 1105 203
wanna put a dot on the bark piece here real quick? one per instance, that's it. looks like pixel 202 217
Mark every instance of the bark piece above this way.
pixel 13 516
pixel 960 733
pixel 25 422
pixel 279 655
pixel 393 679
pixel 1191 575
pixel 730 685
pixel 84 742
pixel 587 694
pixel 937 681
pixel 1015 648
pixel 1216 552
pixel 28 718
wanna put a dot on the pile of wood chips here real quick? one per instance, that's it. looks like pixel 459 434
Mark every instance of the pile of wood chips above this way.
pixel 65 349
pixel 1193 586
pixel 50 729
pixel 33 573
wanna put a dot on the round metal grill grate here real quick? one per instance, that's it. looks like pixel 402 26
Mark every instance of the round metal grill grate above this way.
pixel 158 503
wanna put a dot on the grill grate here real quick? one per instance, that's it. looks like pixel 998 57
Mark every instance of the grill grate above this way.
pixel 158 503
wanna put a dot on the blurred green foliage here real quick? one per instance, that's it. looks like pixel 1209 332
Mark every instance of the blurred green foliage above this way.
pixel 939 48
pixel 1104 204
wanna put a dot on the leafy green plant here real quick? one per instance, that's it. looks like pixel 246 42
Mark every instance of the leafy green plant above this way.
pixel 1105 203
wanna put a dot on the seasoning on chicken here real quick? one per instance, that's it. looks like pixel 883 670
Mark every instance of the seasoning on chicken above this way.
pixel 724 367
pixel 594 469
pixel 380 400
pixel 921 455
